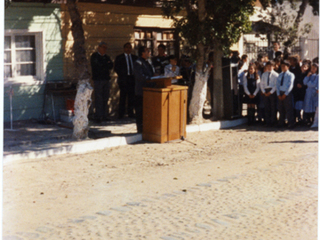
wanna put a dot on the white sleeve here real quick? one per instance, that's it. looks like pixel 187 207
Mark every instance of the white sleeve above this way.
pixel 167 71
pixel 257 87
pixel 177 72
pixel 305 80
pixel 275 77
pixel 245 84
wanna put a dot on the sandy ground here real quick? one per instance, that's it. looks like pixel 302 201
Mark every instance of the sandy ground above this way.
pixel 234 184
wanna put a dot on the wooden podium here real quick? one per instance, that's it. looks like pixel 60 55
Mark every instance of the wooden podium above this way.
pixel 164 112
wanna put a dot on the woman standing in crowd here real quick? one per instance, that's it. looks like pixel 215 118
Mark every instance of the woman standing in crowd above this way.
pixel 316 116
pixel 298 89
pixel 251 88
pixel 260 68
pixel 311 97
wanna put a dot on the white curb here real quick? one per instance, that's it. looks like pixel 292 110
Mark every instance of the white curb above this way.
pixel 215 125
pixel 103 143
pixel 75 147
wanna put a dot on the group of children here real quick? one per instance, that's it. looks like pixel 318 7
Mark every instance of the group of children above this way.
pixel 284 85
pixel 288 86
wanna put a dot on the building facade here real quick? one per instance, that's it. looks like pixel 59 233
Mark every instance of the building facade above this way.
pixel 32 54
pixel 38 48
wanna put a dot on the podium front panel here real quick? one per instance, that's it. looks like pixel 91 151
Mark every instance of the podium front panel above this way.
pixel 164 113
pixel 155 112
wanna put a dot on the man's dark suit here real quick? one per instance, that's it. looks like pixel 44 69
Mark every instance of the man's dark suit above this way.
pixel 272 54
pixel 126 84
pixel 143 72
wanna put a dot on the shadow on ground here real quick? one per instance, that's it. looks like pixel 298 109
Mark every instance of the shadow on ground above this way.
pixel 32 135
pixel 258 127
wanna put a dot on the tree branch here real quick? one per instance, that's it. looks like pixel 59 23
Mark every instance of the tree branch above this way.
pixel 301 11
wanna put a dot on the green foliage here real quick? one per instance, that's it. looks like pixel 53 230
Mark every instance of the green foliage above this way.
pixel 224 22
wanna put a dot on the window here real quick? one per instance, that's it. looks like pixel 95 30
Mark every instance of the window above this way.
pixel 151 38
pixel 23 55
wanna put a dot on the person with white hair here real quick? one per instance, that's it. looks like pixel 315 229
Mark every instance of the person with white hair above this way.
pixel 101 65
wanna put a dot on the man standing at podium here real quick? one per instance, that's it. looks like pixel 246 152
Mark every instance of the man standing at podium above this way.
pixel 143 72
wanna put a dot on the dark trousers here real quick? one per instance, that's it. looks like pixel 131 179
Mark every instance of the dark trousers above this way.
pixel 270 106
pixel 101 94
pixel 126 93
pixel 309 117
pixel 241 93
pixel 139 112
pixel 286 110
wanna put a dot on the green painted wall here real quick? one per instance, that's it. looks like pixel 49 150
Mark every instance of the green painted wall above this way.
pixel 29 97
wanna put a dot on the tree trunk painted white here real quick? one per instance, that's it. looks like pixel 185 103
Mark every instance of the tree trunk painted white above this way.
pixel 81 110
pixel 199 94
pixel 83 97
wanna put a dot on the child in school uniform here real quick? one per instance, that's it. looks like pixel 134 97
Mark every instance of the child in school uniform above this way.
pixel 251 86
pixel 260 68
pixel 284 92
pixel 311 97
pixel 316 115
pixel 300 92
pixel 268 86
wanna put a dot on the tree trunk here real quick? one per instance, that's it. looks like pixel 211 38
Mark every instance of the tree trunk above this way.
pixel 81 110
pixel 199 94
pixel 84 89
pixel 218 98
pixel 301 11
pixel 200 87
pixel 297 21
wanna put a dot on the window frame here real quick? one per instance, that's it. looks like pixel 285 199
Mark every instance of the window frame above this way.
pixel 39 57
pixel 155 41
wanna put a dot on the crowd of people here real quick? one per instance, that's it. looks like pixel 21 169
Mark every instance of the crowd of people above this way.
pixel 133 75
pixel 275 82
pixel 284 84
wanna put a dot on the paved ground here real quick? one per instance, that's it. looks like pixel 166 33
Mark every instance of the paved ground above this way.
pixel 31 139
pixel 244 183
pixel 30 135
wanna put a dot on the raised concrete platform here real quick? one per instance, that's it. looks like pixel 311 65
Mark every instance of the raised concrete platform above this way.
pixel 56 146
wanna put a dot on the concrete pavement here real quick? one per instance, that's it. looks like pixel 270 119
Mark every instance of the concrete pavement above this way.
pixel 29 139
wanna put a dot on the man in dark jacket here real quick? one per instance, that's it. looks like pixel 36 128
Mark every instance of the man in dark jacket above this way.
pixel 101 64
pixel 272 54
pixel 123 66
pixel 143 72
pixel 160 61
